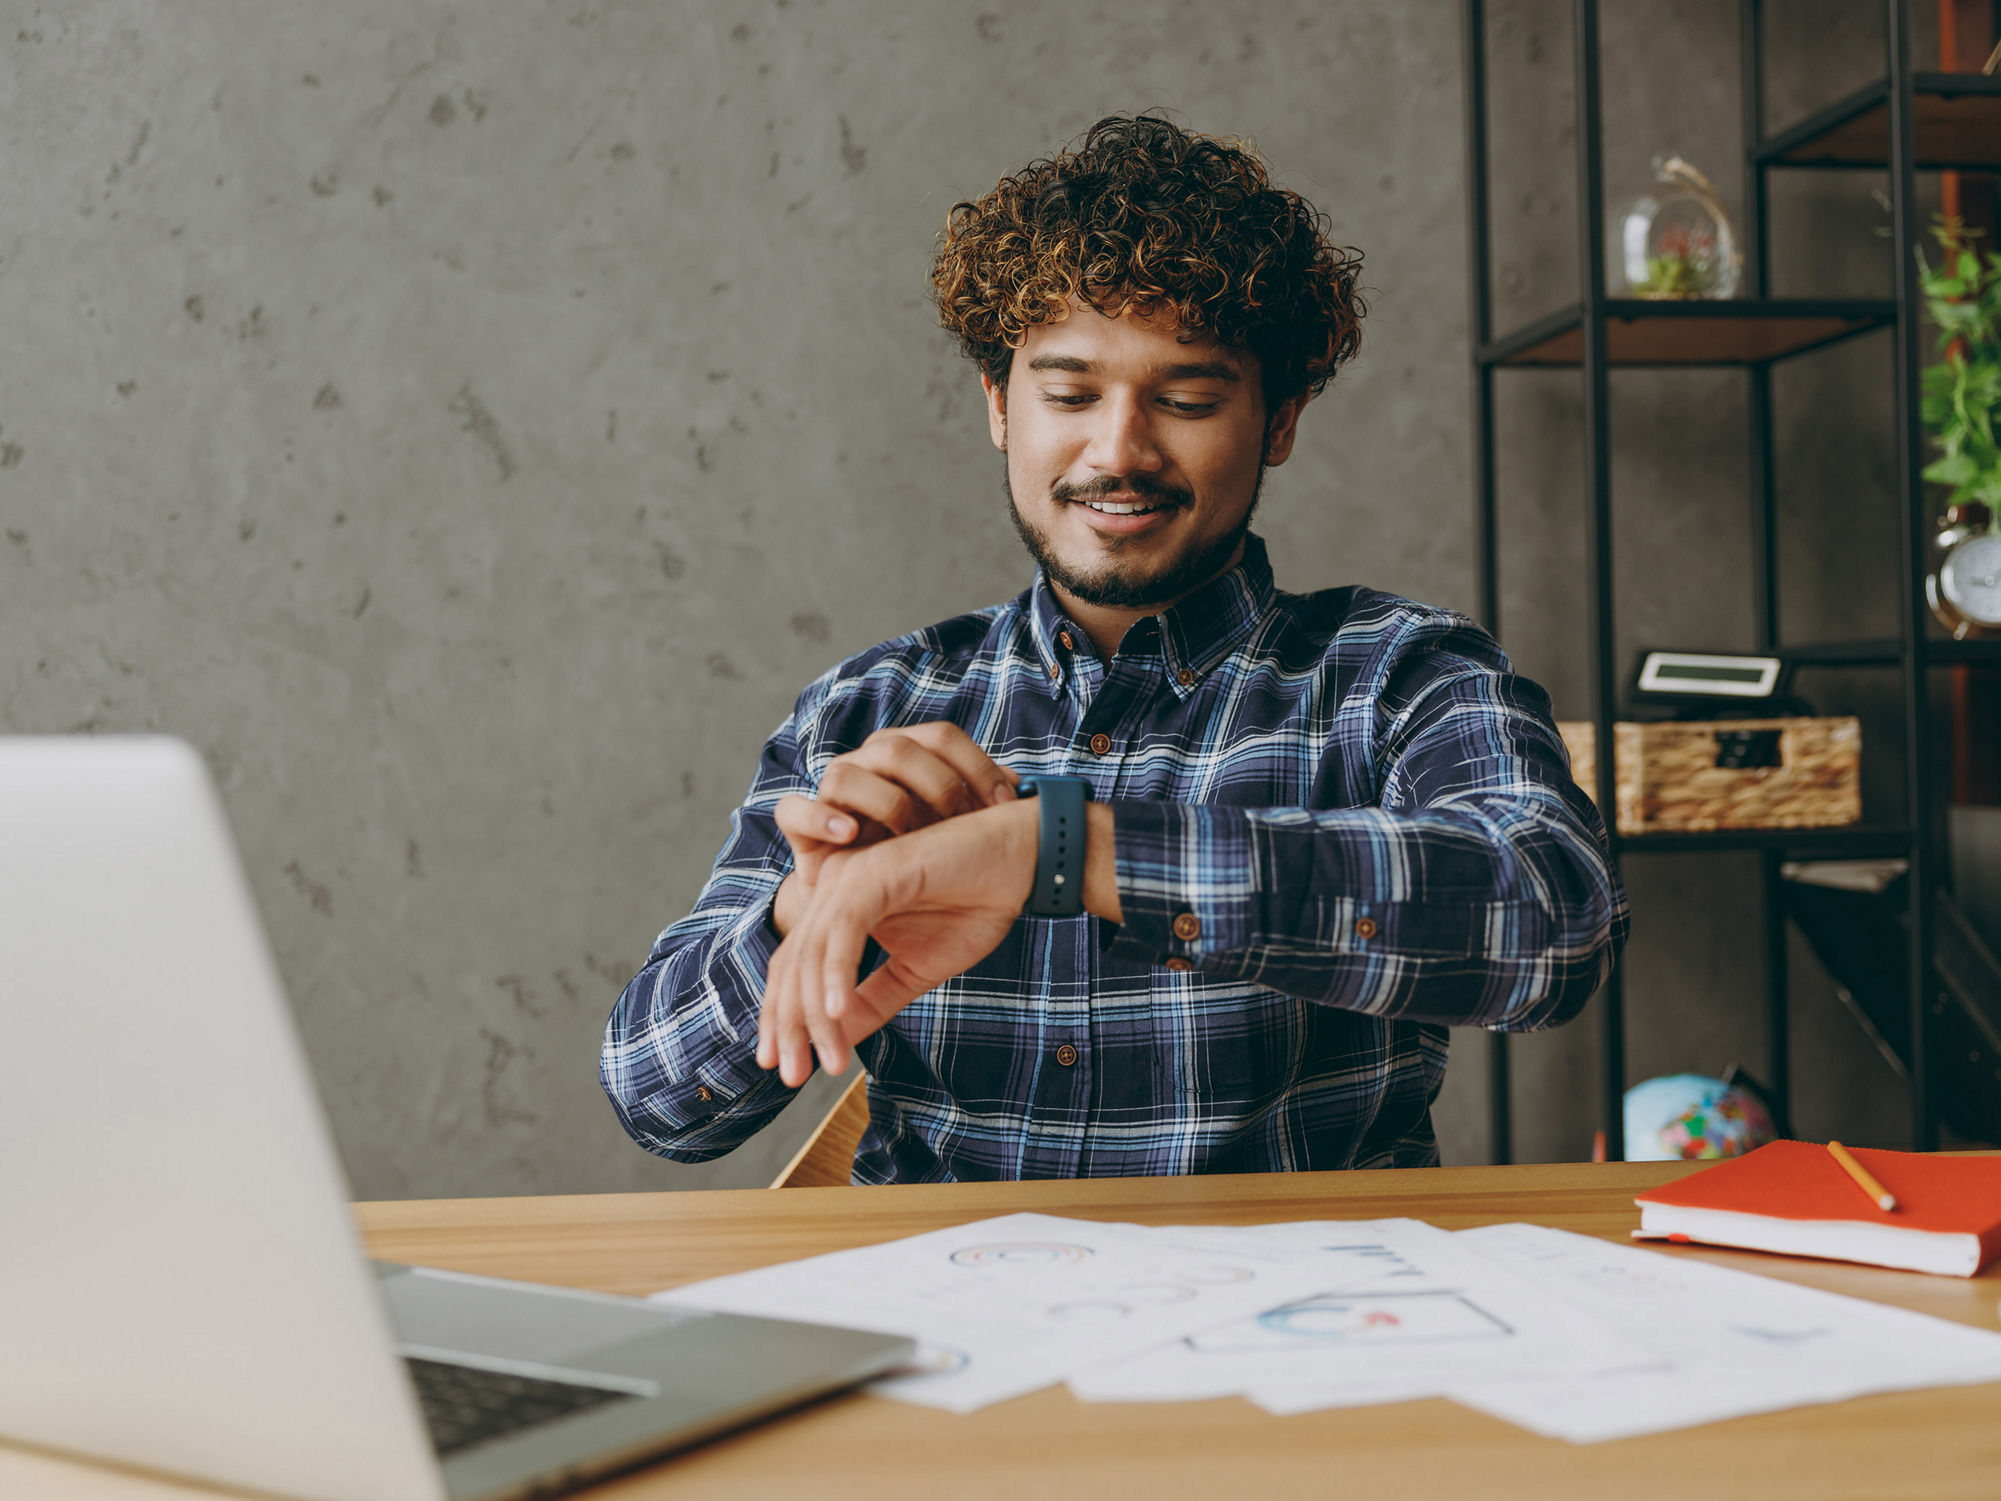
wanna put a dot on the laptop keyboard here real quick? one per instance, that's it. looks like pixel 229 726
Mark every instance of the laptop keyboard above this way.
pixel 464 1406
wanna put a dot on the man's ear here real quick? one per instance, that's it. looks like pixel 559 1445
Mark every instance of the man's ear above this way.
pixel 996 394
pixel 1283 428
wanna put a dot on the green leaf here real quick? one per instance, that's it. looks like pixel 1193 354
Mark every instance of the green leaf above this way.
pixel 1954 469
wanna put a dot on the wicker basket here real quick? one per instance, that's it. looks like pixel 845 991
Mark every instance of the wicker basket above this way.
pixel 1686 777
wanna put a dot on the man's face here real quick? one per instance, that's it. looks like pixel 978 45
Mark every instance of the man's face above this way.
pixel 1133 458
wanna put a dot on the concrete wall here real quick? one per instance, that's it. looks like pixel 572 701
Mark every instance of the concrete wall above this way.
pixel 471 425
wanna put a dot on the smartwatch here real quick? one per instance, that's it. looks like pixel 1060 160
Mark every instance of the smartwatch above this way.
pixel 1059 856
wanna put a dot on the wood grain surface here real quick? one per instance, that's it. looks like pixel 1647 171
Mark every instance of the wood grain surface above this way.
pixel 1939 1443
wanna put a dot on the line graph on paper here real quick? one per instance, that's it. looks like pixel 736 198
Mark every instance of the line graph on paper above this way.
pixel 1363 1263
pixel 1377 1319
pixel 1364 1306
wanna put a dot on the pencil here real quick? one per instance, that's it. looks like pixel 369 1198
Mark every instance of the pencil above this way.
pixel 1883 1198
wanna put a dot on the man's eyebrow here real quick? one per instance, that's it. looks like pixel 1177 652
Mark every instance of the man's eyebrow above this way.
pixel 1192 370
pixel 1201 370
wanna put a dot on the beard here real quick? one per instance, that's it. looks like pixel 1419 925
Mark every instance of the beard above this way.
pixel 1131 586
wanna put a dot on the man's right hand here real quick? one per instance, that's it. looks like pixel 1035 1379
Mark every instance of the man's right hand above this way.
pixel 899 779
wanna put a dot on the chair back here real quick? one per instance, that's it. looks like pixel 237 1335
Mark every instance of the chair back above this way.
pixel 828 1157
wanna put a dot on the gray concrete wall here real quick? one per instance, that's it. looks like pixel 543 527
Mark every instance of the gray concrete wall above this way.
pixel 471 425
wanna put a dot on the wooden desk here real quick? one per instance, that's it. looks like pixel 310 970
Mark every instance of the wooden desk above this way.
pixel 1939 1443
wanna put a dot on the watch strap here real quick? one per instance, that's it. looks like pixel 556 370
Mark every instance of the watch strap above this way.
pixel 1059 854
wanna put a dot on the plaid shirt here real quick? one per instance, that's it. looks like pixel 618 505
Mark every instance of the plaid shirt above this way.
pixel 1343 826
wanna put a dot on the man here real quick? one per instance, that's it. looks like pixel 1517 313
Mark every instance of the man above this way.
pixel 1321 828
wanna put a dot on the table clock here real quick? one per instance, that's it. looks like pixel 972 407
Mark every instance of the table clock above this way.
pixel 1964 585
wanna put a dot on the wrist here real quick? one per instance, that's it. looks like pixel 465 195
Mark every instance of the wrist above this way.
pixel 786 902
pixel 1021 823
pixel 1098 870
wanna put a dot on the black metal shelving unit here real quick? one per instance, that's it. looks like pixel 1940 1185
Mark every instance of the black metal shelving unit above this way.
pixel 1906 122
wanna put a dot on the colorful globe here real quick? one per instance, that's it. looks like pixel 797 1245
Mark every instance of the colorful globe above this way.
pixel 1692 1116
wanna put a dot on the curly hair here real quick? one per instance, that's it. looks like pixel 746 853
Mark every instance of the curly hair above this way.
pixel 1142 216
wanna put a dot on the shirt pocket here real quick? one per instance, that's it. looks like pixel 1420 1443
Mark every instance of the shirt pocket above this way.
pixel 971 1044
pixel 1228 1051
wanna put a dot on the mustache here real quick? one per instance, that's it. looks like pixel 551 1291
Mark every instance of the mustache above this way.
pixel 1106 486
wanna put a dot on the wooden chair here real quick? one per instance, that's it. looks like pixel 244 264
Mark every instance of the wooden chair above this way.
pixel 827 1159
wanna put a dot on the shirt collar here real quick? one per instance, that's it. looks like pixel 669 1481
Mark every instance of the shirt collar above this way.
pixel 1196 634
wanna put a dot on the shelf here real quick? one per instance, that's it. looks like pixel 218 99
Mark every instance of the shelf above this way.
pixel 1957 115
pixel 1888 653
pixel 1985 653
pixel 1956 120
pixel 1642 333
pixel 1854 842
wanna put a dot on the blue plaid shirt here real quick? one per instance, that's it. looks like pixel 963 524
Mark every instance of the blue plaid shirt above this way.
pixel 1344 825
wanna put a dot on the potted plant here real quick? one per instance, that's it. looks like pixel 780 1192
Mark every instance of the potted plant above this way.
pixel 1960 393
pixel 1957 404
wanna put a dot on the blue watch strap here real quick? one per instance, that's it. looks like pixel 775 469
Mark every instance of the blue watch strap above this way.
pixel 1059 854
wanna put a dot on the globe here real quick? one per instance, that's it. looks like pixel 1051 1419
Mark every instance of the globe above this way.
pixel 1689 1116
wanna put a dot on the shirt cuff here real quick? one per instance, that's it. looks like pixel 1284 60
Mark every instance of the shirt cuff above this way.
pixel 1188 893
pixel 730 1073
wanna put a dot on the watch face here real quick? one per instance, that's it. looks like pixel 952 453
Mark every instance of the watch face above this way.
pixel 1970 579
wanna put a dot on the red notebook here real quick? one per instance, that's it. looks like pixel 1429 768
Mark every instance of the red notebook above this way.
pixel 1794 1198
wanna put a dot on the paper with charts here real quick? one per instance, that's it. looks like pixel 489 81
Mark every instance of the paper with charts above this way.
pixel 1009 1305
pixel 1563 1334
pixel 1399 1309
pixel 1729 1343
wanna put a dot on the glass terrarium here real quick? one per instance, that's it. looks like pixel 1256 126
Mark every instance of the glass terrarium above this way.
pixel 1676 242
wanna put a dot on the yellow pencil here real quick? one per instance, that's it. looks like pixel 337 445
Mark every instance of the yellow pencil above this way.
pixel 1883 1198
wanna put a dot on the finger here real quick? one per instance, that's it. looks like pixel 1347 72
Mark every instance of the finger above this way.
pixel 803 989
pixel 902 757
pixel 795 1047
pixel 856 789
pixel 840 961
pixel 990 781
pixel 802 819
pixel 825 1033
pixel 777 977
pixel 877 999
pixel 767 1011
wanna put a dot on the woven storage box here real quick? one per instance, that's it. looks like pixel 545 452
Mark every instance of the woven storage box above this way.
pixel 1684 777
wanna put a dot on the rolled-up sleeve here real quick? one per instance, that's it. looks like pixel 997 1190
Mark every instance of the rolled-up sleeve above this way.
pixel 1476 891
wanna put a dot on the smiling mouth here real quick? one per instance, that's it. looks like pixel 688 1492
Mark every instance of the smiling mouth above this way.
pixel 1125 508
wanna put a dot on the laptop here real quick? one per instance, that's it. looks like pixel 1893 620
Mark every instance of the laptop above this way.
pixel 181 1285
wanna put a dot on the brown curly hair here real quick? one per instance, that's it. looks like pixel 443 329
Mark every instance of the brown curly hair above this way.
pixel 1146 217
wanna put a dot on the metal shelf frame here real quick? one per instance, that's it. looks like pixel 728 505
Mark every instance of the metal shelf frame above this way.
pixel 1845 135
pixel 1582 327
pixel 1740 332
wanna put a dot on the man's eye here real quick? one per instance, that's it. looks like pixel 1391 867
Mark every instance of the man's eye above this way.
pixel 1066 398
pixel 1190 408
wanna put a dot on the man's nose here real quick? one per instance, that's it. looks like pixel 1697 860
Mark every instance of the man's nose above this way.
pixel 1122 439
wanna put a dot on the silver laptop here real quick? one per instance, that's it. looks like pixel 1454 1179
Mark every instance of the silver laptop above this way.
pixel 181 1285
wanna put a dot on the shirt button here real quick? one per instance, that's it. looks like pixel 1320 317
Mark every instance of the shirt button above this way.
pixel 1101 745
pixel 1365 927
pixel 1068 643
pixel 702 1093
pixel 1188 927
pixel 1055 671
pixel 1178 964
pixel 1066 1055
pixel 1184 677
